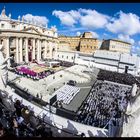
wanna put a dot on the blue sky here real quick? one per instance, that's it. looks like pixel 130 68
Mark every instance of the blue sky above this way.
pixel 104 20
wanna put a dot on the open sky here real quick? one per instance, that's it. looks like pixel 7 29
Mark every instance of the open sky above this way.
pixel 104 20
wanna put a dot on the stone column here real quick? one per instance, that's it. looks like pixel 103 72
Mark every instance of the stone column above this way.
pixel 26 50
pixel 17 51
pixel 7 50
pixel 21 50
pixel 46 45
pixel 38 50
pixel 55 53
pixel 56 47
pixel 50 47
pixel 33 46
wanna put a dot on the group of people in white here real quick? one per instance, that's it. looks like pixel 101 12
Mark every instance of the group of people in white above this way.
pixel 106 100
pixel 67 93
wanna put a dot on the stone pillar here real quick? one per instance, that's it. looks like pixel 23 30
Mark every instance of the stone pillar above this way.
pixel 55 53
pixel 46 45
pixel 33 46
pixel 17 51
pixel 26 50
pixel 21 50
pixel 50 47
pixel 7 47
pixel 38 50
pixel 7 50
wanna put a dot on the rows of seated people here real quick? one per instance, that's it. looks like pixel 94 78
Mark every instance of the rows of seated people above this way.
pixel 21 122
pixel 67 93
pixel 123 78
pixel 34 76
pixel 105 101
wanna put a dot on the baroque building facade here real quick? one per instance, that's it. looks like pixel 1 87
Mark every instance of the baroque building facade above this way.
pixel 26 41
pixel 116 45
pixel 84 43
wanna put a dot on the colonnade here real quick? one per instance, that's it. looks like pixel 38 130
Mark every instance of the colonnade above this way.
pixel 38 48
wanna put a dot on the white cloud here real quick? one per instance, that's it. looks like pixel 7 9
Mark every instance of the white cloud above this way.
pixel 38 20
pixel 67 18
pixel 135 50
pixel 126 38
pixel 93 19
pixel 139 43
pixel 94 34
pixel 106 35
pixel 86 17
pixel 74 29
pixel 127 23
pixel 124 25
pixel 120 23
pixel 78 33
pixel 74 14
pixel 54 28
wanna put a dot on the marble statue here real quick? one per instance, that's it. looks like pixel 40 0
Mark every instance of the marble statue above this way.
pixel 4 89
pixel 131 127
pixel 3 70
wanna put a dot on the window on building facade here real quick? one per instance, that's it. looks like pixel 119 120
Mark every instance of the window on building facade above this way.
pixel 67 57
pixel 2 25
pixel 12 49
pixel 24 27
pixel 1 42
pixel 62 56
pixel 13 26
pixel 71 57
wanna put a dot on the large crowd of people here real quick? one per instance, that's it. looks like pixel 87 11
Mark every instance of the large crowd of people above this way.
pixel 105 101
pixel 26 72
pixel 122 78
pixel 67 93
pixel 22 122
